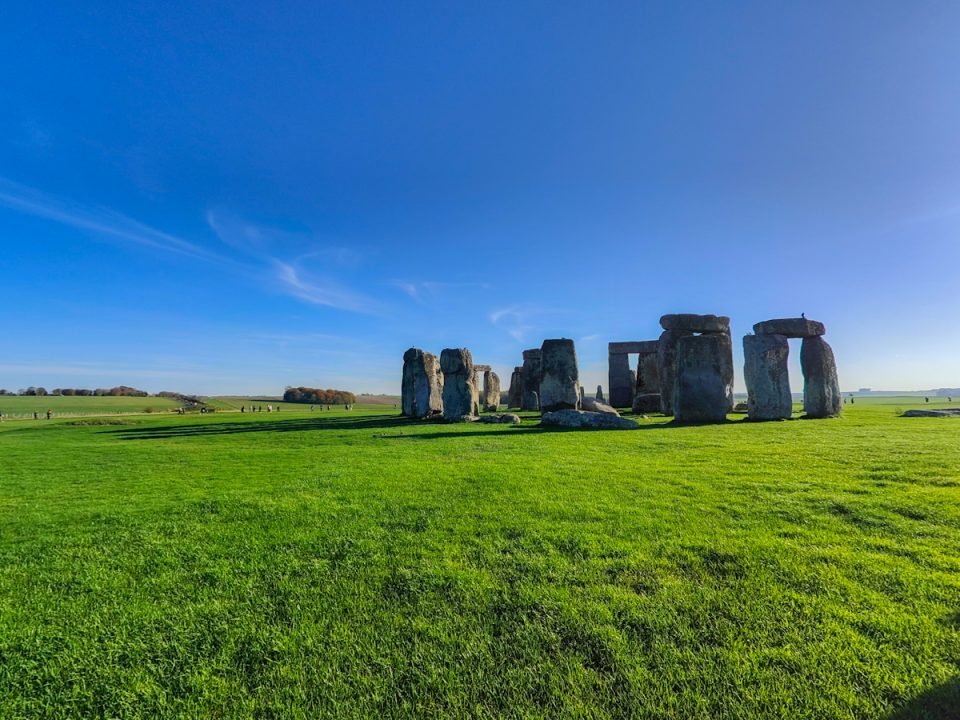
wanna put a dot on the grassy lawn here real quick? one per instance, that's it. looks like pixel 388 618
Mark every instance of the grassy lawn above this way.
pixel 343 564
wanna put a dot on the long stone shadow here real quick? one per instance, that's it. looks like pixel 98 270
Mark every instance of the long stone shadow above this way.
pixel 939 703
pixel 369 422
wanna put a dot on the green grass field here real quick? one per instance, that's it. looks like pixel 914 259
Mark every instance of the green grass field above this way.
pixel 353 564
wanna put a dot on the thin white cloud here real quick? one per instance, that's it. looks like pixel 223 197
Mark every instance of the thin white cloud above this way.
pixel 320 291
pixel 432 288
pixel 97 220
pixel 515 321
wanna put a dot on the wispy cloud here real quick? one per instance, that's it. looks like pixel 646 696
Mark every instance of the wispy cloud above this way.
pixel 432 288
pixel 96 220
pixel 320 292
pixel 515 321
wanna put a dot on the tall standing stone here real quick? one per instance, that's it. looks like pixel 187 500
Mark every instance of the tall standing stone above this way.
pixel 422 384
pixel 618 379
pixel 767 377
pixel 666 366
pixel 515 394
pixel 531 379
pixel 700 391
pixel 559 376
pixel 821 388
pixel 491 391
pixel 599 395
pixel 460 396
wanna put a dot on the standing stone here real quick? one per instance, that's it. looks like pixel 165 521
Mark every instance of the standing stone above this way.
pixel 460 397
pixel 422 384
pixel 559 376
pixel 726 365
pixel 666 366
pixel 821 388
pixel 491 391
pixel 515 394
pixel 767 377
pixel 531 379
pixel 648 376
pixel 600 393
pixel 531 400
pixel 700 390
pixel 618 378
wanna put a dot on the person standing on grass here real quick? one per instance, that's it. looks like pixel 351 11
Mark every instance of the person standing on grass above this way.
pixel 49 414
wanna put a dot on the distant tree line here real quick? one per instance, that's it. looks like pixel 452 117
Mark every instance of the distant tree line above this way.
pixel 119 391
pixel 318 397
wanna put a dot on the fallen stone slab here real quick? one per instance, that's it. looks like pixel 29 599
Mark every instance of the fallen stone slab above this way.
pixel 588 420
pixel 696 323
pixel 504 419
pixel 790 327
pixel 593 405
pixel 952 412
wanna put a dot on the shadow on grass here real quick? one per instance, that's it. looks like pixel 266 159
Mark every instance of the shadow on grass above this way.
pixel 369 422
pixel 939 703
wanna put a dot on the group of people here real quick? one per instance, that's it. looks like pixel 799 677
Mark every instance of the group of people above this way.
pixel 259 408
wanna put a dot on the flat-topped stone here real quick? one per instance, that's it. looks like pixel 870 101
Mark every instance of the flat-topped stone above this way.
pixel 460 396
pixel 481 368
pixel 532 354
pixel 632 347
pixel 559 376
pixel 790 327
pixel 696 323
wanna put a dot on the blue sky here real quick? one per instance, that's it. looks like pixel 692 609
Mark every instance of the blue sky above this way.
pixel 235 197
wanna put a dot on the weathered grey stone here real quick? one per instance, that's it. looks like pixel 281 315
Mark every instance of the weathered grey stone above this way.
pixel 646 403
pixel 531 400
pixel 559 376
pixel 700 389
pixel 696 323
pixel 821 388
pixel 600 393
pixel 422 384
pixel 666 366
pixel 460 396
pixel 946 412
pixel 491 391
pixel 515 394
pixel 504 419
pixel 593 405
pixel 592 420
pixel 790 327
pixel 632 347
pixel 648 376
pixel 531 379
pixel 618 379
pixel 767 377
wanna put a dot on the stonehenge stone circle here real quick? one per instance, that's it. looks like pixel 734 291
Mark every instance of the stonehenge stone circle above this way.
pixel 666 366
pixel 701 390
pixel 767 377
pixel 821 387
pixel 491 391
pixel 422 384
pixel 515 394
pixel 790 327
pixel 530 375
pixel 460 397
pixel 559 376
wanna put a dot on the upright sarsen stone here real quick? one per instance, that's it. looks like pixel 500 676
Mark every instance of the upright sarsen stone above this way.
pixel 767 377
pixel 530 372
pixel 559 376
pixel 515 393
pixel 821 388
pixel 701 389
pixel 460 396
pixel 618 379
pixel 491 391
pixel 666 366
pixel 422 384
